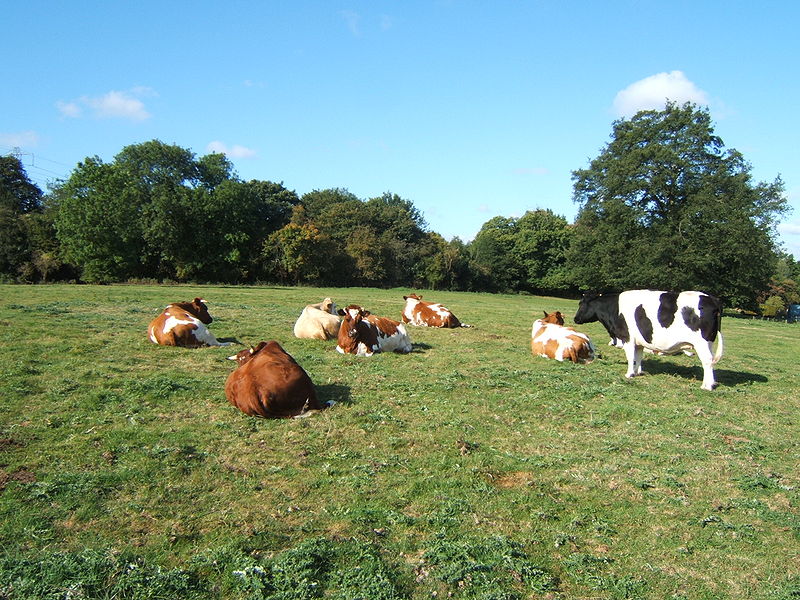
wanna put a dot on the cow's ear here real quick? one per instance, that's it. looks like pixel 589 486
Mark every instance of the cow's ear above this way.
pixel 365 313
pixel 198 301
pixel 341 312
pixel 545 313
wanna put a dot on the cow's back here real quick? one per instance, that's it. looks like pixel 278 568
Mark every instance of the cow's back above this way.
pixel 557 342
pixel 271 385
pixel 391 335
pixel 175 327
pixel 316 324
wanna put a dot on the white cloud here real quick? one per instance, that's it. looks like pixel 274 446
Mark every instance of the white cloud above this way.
pixel 21 139
pixel 113 105
pixel 70 110
pixel 235 151
pixel 352 19
pixel 652 93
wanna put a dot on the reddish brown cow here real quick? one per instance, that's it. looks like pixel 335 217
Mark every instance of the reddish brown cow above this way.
pixel 269 383
pixel 428 314
pixel 184 324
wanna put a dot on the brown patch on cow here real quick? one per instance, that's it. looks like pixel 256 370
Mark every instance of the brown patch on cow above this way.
pixel 556 318
pixel 271 384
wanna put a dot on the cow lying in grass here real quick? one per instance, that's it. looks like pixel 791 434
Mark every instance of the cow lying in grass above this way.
pixel 549 338
pixel 184 324
pixel 428 314
pixel 318 321
pixel 269 383
pixel 364 334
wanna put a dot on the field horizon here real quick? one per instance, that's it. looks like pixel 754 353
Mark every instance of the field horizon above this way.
pixel 466 469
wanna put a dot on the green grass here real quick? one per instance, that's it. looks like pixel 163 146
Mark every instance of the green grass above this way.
pixel 468 468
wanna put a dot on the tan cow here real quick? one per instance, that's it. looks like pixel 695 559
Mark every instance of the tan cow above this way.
pixel 318 321
pixel 549 338
pixel 184 324
pixel 269 383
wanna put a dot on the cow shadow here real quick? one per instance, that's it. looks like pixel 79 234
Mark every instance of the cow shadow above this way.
pixel 334 392
pixel 419 347
pixel 723 376
pixel 231 340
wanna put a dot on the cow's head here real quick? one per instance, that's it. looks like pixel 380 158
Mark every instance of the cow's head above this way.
pixel 352 317
pixel 245 355
pixel 328 305
pixel 412 297
pixel 587 310
pixel 556 318
pixel 200 310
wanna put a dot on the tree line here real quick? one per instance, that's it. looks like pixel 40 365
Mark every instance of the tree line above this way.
pixel 664 205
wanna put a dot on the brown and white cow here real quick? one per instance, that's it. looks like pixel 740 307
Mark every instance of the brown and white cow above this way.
pixel 428 314
pixel 318 321
pixel 184 324
pixel 363 333
pixel 551 339
pixel 269 383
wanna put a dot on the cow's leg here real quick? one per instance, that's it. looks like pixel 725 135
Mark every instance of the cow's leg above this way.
pixel 634 355
pixel 707 359
pixel 204 336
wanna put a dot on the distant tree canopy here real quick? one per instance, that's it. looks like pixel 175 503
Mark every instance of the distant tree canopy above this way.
pixel 664 206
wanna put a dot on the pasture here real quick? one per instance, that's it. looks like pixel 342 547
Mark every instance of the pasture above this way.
pixel 466 469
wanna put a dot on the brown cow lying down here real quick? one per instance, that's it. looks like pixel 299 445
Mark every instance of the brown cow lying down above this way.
pixel 549 338
pixel 269 383
pixel 428 314
pixel 318 321
pixel 184 324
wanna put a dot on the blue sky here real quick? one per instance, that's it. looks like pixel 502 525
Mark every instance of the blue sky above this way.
pixel 468 109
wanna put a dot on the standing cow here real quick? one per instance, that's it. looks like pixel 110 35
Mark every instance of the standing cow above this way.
pixel 184 324
pixel 269 383
pixel 363 333
pixel 665 322
pixel 428 314
pixel 318 321
pixel 549 338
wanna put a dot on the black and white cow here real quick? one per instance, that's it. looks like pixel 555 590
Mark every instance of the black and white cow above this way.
pixel 664 322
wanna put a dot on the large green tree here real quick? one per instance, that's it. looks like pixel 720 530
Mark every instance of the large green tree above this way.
pixel 664 205
pixel 19 200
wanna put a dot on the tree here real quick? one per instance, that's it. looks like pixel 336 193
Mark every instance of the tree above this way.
pixel 492 255
pixel 98 221
pixel 540 250
pixel 19 197
pixel 665 206
pixel 17 193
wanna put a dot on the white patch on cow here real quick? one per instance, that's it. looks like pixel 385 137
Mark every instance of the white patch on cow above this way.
pixel 543 333
pixel 397 342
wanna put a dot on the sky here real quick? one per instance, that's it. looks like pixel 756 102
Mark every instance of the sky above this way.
pixel 468 109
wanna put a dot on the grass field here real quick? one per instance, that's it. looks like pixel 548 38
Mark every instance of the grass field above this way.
pixel 466 469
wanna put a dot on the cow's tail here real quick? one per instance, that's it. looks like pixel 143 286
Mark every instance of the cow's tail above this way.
pixel 464 325
pixel 718 353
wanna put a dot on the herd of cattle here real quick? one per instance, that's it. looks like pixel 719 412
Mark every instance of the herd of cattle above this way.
pixel 268 382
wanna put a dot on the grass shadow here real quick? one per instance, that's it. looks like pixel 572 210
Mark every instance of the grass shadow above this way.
pixel 420 347
pixel 723 376
pixel 332 391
